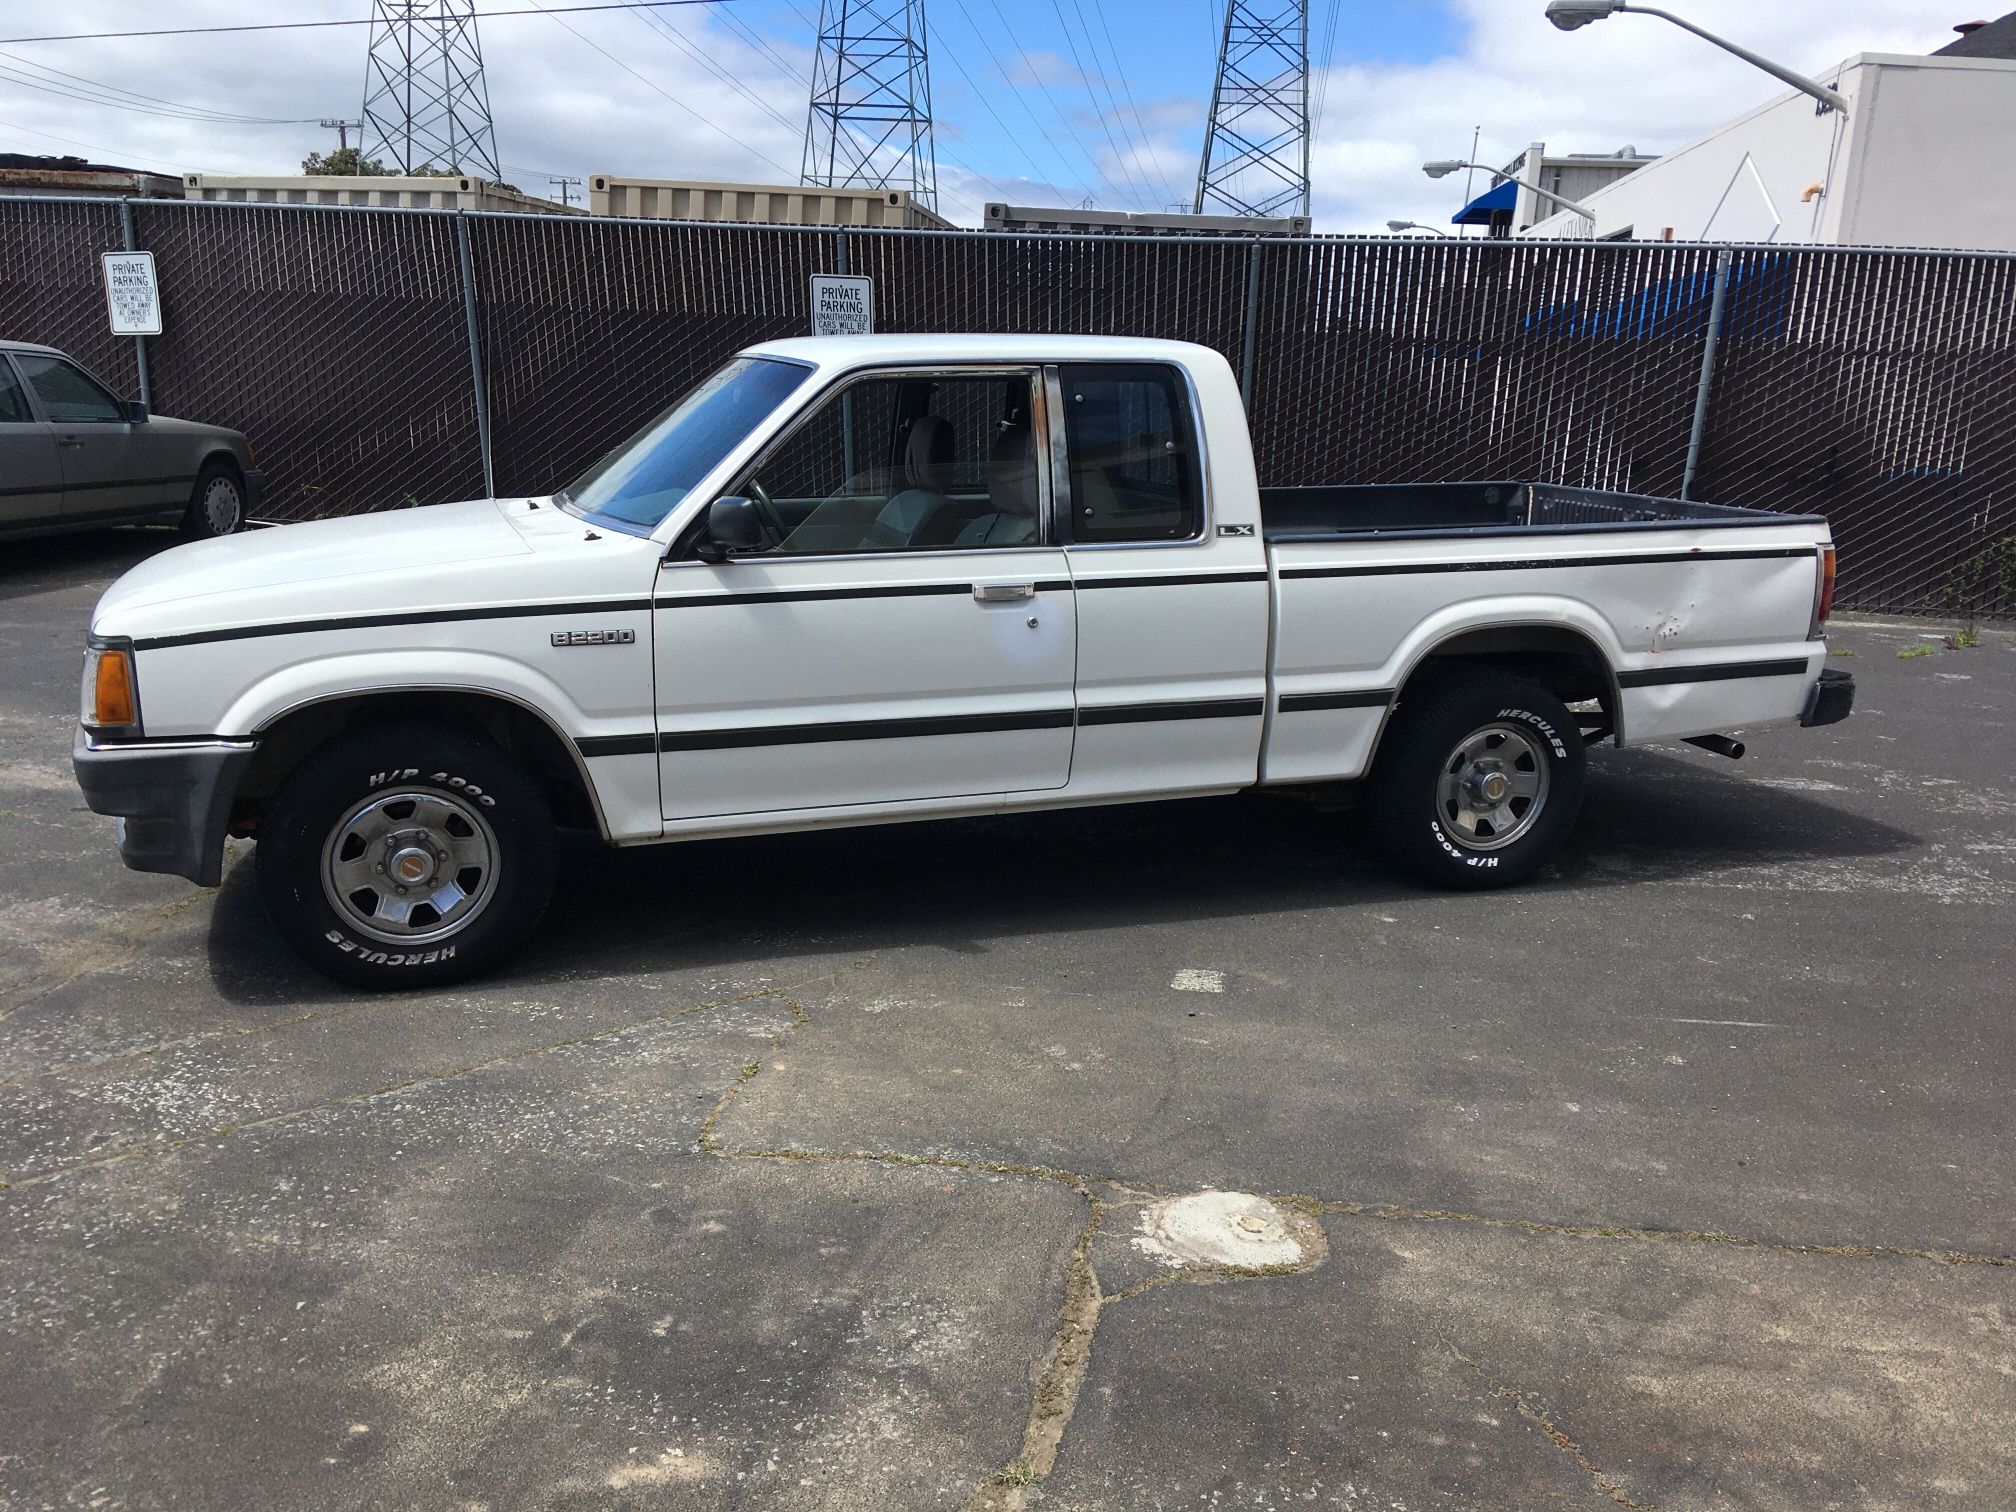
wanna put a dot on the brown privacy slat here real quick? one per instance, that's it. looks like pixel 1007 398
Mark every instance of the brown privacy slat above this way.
pixel 336 342
pixel 1877 388
pixel 50 289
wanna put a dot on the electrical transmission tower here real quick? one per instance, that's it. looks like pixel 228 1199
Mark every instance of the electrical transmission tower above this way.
pixel 1256 149
pixel 870 121
pixel 425 103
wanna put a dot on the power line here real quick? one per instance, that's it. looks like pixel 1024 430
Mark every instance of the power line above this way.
pixel 665 30
pixel 263 26
pixel 555 13
pixel 205 111
pixel 112 102
pixel 1133 109
pixel 1105 125
pixel 95 146
pixel 1329 60
pixel 988 105
pixel 1020 99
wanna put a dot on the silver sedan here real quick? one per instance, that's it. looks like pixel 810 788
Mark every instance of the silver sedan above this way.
pixel 73 456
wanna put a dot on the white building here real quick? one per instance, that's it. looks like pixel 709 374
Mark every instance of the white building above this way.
pixel 1924 156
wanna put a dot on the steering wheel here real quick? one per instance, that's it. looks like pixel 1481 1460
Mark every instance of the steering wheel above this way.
pixel 766 510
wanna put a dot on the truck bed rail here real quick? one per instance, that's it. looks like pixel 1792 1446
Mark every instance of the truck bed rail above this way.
pixel 1494 508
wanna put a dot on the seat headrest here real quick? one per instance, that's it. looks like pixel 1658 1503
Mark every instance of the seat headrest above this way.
pixel 1011 473
pixel 928 453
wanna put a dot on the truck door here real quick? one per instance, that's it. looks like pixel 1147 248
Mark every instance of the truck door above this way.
pixel 1173 599
pixel 909 632
pixel 31 479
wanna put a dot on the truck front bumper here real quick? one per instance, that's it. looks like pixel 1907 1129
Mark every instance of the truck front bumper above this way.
pixel 172 799
pixel 1831 699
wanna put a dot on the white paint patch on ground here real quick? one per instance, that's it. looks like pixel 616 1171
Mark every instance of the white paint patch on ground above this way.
pixel 1198 979
pixel 1218 1228
pixel 1799 784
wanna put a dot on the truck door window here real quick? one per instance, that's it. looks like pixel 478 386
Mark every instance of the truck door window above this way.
pixel 1129 433
pixel 905 464
pixel 69 396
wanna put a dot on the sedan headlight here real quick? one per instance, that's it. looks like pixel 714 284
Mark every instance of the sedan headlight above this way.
pixel 111 695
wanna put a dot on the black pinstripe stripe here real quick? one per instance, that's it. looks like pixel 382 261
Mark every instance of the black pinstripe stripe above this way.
pixel 1715 672
pixel 750 736
pixel 1535 564
pixel 1367 698
pixel 382 621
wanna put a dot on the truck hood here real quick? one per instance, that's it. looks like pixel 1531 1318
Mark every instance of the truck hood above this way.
pixel 442 555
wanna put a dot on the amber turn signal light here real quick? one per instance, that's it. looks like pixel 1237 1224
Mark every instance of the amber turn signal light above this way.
pixel 114 704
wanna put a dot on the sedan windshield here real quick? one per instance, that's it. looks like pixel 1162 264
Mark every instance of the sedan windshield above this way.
pixel 645 478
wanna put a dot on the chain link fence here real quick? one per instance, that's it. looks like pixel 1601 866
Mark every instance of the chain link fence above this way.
pixel 381 359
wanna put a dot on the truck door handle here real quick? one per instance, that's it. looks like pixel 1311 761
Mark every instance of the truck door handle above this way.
pixel 69 440
pixel 1003 593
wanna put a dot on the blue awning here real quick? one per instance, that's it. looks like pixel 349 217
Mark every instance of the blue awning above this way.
pixel 1503 200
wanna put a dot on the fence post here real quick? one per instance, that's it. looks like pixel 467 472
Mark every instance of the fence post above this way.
pixel 840 250
pixel 139 342
pixel 475 348
pixel 1700 428
pixel 1252 323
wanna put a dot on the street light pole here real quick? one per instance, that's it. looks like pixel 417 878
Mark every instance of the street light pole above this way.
pixel 1397 226
pixel 1447 166
pixel 1570 15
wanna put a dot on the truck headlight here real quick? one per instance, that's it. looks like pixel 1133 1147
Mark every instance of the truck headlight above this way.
pixel 111 697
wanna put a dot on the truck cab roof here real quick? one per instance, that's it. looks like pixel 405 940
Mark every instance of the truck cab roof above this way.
pixel 866 351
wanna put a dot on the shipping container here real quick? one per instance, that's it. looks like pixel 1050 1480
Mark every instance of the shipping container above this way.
pixel 757 204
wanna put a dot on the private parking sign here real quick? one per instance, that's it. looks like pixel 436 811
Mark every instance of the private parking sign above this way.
pixel 131 296
pixel 843 306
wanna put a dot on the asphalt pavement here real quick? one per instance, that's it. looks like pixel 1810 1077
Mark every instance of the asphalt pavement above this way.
pixel 836 1171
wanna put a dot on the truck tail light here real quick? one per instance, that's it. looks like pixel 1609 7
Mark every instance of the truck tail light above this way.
pixel 111 693
pixel 1823 592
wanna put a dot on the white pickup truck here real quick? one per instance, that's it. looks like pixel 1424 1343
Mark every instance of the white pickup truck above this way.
pixel 856 580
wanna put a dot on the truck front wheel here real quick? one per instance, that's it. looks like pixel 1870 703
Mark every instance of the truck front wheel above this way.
pixel 406 856
pixel 1477 782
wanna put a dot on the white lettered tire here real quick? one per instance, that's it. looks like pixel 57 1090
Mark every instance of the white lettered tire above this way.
pixel 1478 781
pixel 404 855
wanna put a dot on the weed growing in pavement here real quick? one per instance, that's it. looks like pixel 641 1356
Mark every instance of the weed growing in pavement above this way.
pixel 1911 652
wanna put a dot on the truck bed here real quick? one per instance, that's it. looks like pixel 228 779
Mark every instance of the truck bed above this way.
pixel 1336 512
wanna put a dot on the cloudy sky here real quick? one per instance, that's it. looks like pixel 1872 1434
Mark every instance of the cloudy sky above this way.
pixel 1041 102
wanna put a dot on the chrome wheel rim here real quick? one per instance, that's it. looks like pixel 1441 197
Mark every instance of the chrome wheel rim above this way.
pixel 1492 788
pixel 408 868
pixel 220 506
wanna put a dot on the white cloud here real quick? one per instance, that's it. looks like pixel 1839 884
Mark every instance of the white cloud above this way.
pixel 562 107
pixel 1633 80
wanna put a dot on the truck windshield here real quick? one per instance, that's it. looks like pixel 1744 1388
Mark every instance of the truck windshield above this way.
pixel 644 479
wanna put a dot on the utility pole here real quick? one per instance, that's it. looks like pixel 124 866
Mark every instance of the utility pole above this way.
pixel 869 126
pixel 425 101
pixel 343 130
pixel 563 184
pixel 1256 147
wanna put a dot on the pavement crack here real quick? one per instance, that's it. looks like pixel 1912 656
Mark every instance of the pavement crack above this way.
pixel 91 956
pixel 1546 1424
pixel 1393 1212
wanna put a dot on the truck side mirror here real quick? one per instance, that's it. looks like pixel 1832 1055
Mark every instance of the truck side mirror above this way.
pixel 136 412
pixel 732 525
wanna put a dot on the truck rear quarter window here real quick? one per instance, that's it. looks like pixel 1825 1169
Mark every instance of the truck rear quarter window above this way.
pixel 1132 445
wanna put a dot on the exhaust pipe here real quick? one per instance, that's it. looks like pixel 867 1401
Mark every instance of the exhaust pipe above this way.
pixel 1721 745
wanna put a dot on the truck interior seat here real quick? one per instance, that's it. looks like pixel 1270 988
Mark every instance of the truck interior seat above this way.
pixel 928 453
pixel 1011 491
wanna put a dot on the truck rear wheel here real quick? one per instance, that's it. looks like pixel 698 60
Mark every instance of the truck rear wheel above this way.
pixel 406 856
pixel 1477 782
